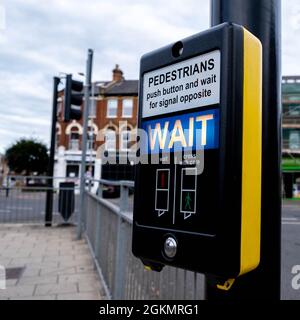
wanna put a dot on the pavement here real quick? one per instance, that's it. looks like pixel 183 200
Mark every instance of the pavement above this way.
pixel 56 266
pixel 47 264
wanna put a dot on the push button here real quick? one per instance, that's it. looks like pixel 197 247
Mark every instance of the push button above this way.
pixel 170 247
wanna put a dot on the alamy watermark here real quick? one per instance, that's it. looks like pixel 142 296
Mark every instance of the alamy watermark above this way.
pixel 296 278
pixel 2 278
pixel 157 146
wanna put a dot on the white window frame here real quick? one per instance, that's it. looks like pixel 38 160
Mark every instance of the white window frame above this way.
pixel 124 108
pixel 107 145
pixel 127 140
pixel 72 145
pixel 59 106
pixel 90 139
pixel 109 107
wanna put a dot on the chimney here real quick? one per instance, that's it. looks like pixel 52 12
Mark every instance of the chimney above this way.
pixel 117 74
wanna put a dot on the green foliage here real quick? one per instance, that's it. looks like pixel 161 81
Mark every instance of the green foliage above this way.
pixel 27 156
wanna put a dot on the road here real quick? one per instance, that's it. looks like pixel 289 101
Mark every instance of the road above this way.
pixel 25 207
pixel 290 252
pixel 30 207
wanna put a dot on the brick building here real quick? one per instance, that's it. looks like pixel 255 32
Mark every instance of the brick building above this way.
pixel 113 120
pixel 112 123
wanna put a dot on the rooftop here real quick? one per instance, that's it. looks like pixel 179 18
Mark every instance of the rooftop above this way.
pixel 123 87
pixel 118 86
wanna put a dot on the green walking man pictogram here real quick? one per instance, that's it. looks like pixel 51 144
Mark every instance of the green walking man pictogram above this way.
pixel 188 201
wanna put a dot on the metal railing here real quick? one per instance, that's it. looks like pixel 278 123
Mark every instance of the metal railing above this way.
pixel 108 229
pixel 23 199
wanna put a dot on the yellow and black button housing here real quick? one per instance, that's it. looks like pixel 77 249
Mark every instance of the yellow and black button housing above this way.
pixel 222 236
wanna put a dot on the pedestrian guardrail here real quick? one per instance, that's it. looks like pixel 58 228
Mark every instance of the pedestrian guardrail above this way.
pixel 108 229
pixel 23 199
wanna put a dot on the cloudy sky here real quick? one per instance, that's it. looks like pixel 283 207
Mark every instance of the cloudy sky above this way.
pixel 39 39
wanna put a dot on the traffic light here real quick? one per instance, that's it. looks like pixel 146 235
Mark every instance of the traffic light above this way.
pixel 73 99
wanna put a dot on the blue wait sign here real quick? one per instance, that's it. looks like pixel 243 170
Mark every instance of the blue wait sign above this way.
pixel 192 131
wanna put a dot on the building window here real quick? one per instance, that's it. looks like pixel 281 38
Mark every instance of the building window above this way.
pixel 294 98
pixel 112 108
pixel 93 108
pixel 57 140
pixel 72 171
pixel 110 139
pixel 294 110
pixel 294 140
pixel 74 140
pixel 127 108
pixel 91 137
pixel 90 141
pixel 59 107
pixel 291 110
pixel 125 139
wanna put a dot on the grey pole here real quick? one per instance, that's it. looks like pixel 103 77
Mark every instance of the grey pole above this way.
pixel 91 132
pixel 263 19
pixel 87 88
pixel 49 193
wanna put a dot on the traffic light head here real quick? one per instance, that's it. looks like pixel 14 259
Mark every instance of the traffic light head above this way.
pixel 73 99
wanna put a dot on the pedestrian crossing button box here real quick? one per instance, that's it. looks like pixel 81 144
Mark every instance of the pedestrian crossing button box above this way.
pixel 198 206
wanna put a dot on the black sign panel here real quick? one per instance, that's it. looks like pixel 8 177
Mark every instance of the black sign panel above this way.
pixel 188 187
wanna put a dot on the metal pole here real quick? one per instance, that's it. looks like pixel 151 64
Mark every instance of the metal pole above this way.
pixel 87 88
pixel 92 128
pixel 49 194
pixel 91 135
pixel 263 19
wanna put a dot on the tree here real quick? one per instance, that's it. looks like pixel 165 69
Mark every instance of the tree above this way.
pixel 27 156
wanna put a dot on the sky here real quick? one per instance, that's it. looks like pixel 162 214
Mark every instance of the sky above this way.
pixel 41 38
